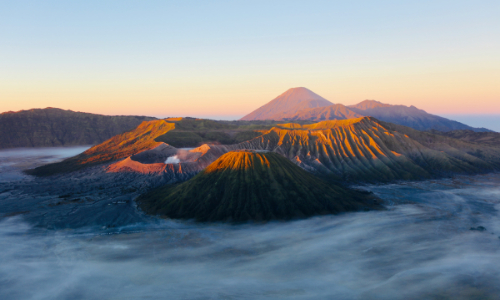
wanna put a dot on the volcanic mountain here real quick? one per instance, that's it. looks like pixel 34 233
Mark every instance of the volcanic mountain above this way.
pixel 361 149
pixel 288 103
pixel 51 127
pixel 296 104
pixel 248 185
pixel 331 112
pixel 366 149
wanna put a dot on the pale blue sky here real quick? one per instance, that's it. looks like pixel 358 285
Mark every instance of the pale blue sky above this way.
pixel 226 58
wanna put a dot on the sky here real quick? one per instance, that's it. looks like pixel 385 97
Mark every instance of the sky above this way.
pixel 223 59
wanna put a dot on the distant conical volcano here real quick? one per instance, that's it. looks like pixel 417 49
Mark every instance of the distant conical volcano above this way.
pixel 288 103
pixel 247 185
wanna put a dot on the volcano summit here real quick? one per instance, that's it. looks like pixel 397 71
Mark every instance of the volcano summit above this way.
pixel 250 185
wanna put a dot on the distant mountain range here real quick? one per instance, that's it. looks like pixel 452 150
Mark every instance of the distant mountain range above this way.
pixel 302 104
pixel 51 127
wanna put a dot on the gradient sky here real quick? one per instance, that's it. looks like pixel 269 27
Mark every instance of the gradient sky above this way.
pixel 223 59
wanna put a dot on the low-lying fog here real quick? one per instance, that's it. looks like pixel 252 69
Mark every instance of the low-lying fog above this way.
pixel 438 240
pixel 12 161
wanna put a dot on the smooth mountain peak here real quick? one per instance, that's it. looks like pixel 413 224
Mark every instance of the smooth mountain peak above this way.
pixel 288 103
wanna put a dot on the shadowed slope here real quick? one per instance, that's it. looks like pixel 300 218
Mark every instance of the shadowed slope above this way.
pixel 51 127
pixel 244 185
pixel 288 103
pixel 484 138
pixel 332 112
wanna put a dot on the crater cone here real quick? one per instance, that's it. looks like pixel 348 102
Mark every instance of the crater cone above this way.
pixel 247 185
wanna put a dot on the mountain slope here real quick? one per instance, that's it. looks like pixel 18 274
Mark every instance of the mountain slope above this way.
pixel 245 185
pixel 370 150
pixel 121 146
pixel 362 149
pixel 483 138
pixel 302 104
pixel 408 116
pixel 290 102
pixel 331 112
pixel 56 127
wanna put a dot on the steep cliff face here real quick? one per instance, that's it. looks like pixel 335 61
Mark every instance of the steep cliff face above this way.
pixel 56 127
pixel 246 185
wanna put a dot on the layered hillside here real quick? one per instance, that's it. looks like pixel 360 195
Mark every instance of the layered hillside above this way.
pixel 51 127
pixel 288 103
pixel 247 185
pixel 361 149
pixel 371 150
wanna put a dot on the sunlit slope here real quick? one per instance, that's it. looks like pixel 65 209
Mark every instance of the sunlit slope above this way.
pixel 120 146
pixel 353 149
pixel 176 132
pixel 367 149
pixel 245 185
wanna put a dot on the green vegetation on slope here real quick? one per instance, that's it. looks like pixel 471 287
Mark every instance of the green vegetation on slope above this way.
pixel 56 127
pixel 244 185
pixel 190 132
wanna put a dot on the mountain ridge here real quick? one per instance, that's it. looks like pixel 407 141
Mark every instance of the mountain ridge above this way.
pixel 352 150
pixel 409 116
pixel 51 127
